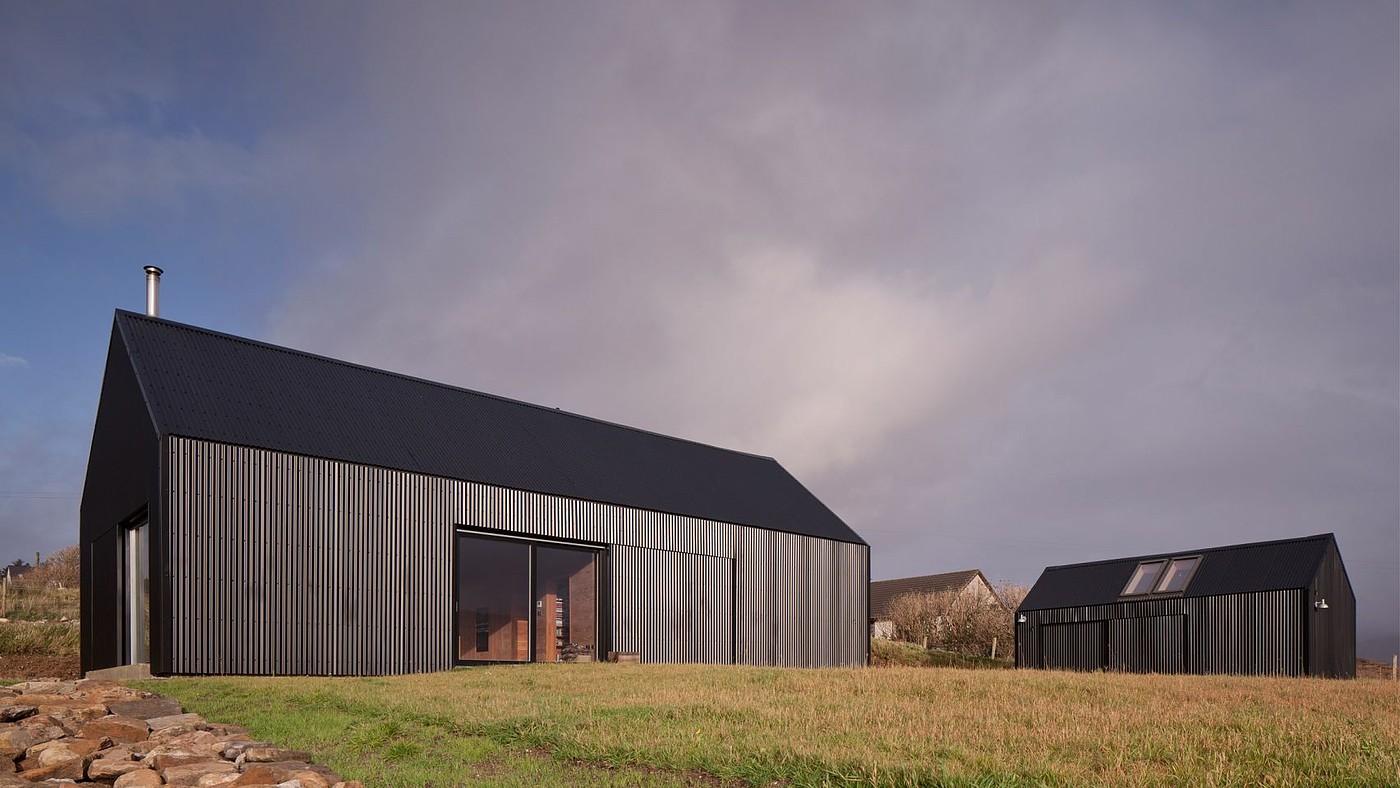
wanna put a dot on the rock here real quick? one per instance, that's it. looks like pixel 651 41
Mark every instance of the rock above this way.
pixel 274 754
pixel 56 732
pixel 193 720
pixel 73 718
pixel 81 747
pixel 192 773
pixel 46 687
pixel 143 778
pixel 147 708
pixel 168 755
pixel 116 753
pixel 50 700
pixel 117 728
pixel 263 776
pixel 233 749
pixel 50 753
pixel 53 763
pixel 349 784
pixel 108 769
pixel 16 711
pixel 172 733
pixel 41 728
pixel 89 686
pixel 14 742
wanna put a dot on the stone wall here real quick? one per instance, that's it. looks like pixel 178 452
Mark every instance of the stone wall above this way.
pixel 99 732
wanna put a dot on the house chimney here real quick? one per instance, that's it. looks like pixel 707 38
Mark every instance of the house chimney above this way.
pixel 153 291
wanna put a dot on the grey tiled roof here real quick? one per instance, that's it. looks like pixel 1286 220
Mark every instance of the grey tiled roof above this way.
pixel 883 592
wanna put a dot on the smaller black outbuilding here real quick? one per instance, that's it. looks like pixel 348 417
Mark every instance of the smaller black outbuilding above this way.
pixel 1279 608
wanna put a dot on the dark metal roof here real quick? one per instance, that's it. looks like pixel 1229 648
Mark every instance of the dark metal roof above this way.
pixel 1235 569
pixel 883 592
pixel 203 384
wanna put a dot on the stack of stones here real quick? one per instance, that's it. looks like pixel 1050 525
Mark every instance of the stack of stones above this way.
pixel 99 732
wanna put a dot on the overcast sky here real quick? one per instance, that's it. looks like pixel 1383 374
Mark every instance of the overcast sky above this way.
pixel 1006 285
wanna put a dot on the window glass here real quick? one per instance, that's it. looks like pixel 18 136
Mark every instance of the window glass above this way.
pixel 1177 574
pixel 566 589
pixel 493 592
pixel 1144 577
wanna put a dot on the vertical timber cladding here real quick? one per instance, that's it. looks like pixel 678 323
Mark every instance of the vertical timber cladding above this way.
pixel 285 564
pixel 672 607
pixel 282 564
pixel 796 600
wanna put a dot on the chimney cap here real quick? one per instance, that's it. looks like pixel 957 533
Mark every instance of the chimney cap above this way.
pixel 151 269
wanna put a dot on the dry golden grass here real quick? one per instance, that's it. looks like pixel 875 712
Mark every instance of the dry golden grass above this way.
pixel 892 726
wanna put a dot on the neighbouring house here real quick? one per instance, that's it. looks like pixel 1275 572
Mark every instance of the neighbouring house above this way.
pixel 883 593
pixel 253 509
pixel 1284 607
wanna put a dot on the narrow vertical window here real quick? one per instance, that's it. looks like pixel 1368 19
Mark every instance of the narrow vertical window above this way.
pixel 136 583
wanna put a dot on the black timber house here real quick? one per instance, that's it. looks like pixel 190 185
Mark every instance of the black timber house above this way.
pixel 1270 608
pixel 252 509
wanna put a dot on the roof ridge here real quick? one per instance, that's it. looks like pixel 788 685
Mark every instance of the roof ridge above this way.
pixel 1172 553
pixel 307 354
pixel 935 574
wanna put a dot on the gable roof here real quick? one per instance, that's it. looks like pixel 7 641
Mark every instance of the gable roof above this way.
pixel 884 592
pixel 203 384
pixel 1234 569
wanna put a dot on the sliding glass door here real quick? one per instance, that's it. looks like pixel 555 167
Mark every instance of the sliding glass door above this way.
pixel 493 586
pixel 566 618
pixel 499 581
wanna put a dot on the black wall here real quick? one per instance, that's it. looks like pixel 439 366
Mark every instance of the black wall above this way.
pixel 123 482
pixel 1332 632
pixel 1261 633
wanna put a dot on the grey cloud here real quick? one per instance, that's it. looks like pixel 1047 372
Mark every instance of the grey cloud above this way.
pixel 1006 287
pixel 1081 283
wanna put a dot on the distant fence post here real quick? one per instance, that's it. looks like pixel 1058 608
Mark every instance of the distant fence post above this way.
pixel 994 648
pixel 1395 667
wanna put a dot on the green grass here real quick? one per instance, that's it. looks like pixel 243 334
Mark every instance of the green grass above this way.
pixel 27 638
pixel 668 725
pixel 43 603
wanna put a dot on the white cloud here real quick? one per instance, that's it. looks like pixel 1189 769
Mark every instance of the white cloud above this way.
pixel 12 361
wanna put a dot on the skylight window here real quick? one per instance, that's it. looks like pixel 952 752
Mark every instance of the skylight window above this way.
pixel 1144 578
pixel 1177 574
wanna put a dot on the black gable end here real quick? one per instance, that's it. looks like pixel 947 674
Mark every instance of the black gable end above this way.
pixel 121 482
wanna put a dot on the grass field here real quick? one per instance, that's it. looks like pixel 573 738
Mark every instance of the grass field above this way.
pixel 602 724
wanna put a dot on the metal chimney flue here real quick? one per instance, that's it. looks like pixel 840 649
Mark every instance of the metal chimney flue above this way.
pixel 153 291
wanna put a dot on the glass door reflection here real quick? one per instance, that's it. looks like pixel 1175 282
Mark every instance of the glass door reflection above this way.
pixel 493 591
pixel 566 607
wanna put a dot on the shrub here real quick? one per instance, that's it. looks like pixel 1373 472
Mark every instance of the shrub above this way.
pixel 960 622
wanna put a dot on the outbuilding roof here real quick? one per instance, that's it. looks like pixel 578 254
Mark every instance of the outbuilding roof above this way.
pixel 1234 569
pixel 203 384
pixel 883 592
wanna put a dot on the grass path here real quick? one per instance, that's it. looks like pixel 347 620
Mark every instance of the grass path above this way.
pixel 667 725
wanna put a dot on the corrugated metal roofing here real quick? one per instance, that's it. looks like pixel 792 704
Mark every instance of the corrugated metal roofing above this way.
pixel 204 384
pixel 883 592
pixel 1234 569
